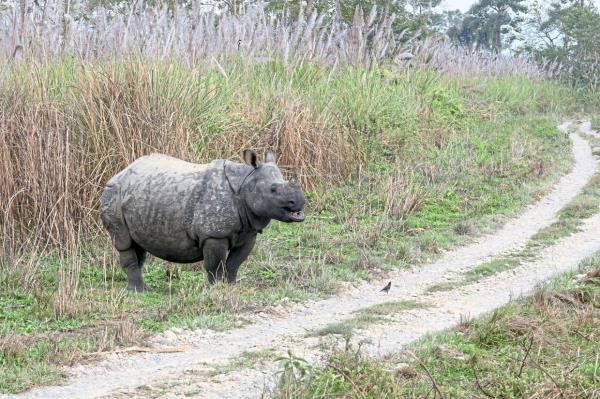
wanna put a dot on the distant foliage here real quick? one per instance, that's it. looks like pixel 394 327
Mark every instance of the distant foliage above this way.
pixel 194 35
pixel 568 32
pixel 490 24
pixel 458 60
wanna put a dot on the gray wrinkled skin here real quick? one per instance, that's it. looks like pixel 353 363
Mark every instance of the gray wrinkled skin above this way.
pixel 184 212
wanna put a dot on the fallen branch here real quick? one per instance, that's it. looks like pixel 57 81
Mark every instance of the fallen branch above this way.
pixel 486 393
pixel 149 350
pixel 433 382
pixel 593 274
pixel 527 351
pixel 347 378
pixel 543 370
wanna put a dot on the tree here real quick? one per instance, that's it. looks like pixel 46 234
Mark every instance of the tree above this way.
pixel 449 23
pixel 490 24
pixel 568 32
pixel 336 9
pixel 422 16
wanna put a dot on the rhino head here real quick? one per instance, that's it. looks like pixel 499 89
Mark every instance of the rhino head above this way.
pixel 267 194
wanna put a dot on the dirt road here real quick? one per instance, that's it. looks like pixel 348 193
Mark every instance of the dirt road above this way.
pixel 201 370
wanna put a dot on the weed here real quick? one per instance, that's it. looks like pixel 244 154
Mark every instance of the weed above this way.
pixel 367 316
pixel 445 286
pixel 391 308
pixel 246 360
pixel 490 268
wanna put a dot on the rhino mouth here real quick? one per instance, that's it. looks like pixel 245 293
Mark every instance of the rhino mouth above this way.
pixel 295 216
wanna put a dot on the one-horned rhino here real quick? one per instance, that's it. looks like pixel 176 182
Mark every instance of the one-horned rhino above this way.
pixel 184 212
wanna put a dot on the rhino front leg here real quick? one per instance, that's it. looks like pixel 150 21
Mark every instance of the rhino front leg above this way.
pixel 215 254
pixel 236 257
pixel 132 261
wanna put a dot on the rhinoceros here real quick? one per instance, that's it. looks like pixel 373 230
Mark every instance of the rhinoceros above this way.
pixel 184 212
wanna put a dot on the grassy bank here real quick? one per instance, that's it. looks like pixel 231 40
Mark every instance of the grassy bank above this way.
pixel 543 346
pixel 397 166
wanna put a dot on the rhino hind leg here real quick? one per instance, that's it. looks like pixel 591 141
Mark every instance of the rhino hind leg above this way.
pixel 131 255
pixel 113 220
pixel 215 254
pixel 132 261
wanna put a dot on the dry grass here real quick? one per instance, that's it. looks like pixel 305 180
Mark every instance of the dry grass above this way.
pixel 196 34
pixel 312 145
pixel 82 344
pixel 402 194
pixel 57 153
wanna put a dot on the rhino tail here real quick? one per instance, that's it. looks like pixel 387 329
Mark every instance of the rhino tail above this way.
pixel 111 213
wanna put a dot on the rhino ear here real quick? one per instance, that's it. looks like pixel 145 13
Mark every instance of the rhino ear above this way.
pixel 270 157
pixel 250 158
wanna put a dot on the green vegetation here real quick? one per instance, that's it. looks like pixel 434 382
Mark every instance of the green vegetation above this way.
pixel 366 317
pixel 246 360
pixel 490 268
pixel 397 166
pixel 544 345
pixel 596 122
pixel 444 286
pixel 570 218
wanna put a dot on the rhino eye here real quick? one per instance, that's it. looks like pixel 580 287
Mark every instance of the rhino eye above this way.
pixel 273 188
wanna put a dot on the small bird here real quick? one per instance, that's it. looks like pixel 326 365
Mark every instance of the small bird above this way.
pixel 386 289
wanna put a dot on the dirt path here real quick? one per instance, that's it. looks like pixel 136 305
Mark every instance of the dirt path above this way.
pixel 192 372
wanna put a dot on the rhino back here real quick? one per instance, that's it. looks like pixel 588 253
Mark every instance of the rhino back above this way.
pixel 171 206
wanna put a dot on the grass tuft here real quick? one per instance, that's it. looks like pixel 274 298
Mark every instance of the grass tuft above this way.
pixel 365 317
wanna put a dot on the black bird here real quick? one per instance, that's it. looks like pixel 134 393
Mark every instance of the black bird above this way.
pixel 386 289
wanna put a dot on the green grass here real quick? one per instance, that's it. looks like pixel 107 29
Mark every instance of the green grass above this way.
pixel 542 346
pixel 246 360
pixel 434 160
pixel 445 286
pixel 367 316
pixel 391 308
pixel 346 327
pixel 570 218
pixel 596 122
pixel 490 268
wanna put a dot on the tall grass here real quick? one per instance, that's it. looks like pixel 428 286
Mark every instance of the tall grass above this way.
pixel 66 127
pixel 194 34
pixel 85 89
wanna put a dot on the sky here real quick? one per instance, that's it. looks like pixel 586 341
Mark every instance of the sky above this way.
pixel 463 5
